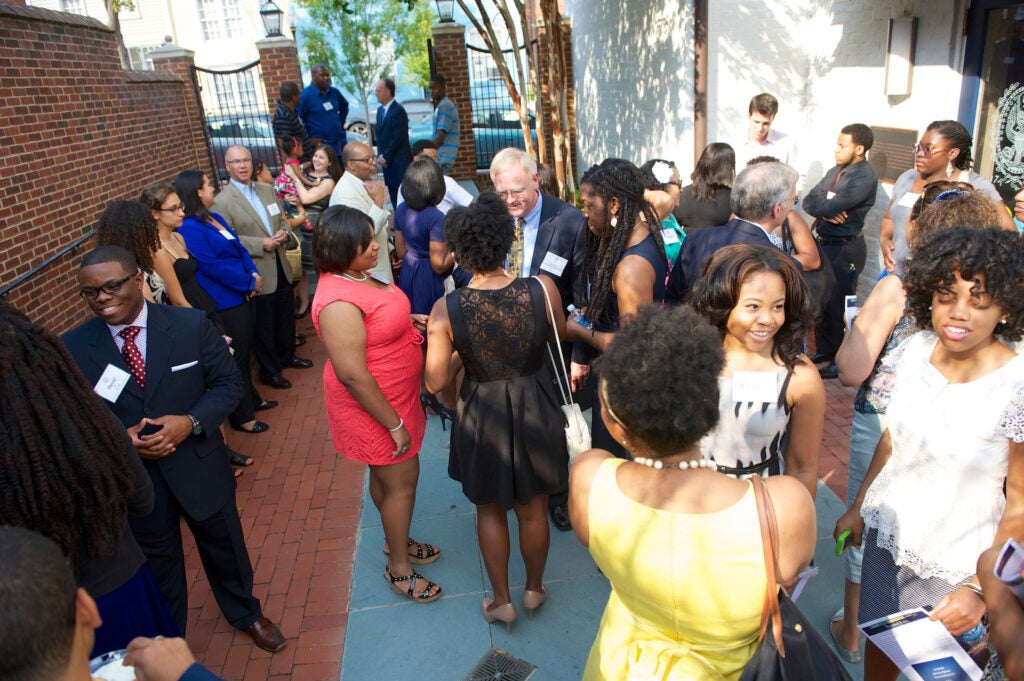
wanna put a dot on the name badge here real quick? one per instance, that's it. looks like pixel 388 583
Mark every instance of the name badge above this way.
pixel 555 264
pixel 111 383
pixel 830 195
pixel 908 200
pixel 328 106
pixel 226 234
pixel 273 210
pixel 669 236
pixel 754 386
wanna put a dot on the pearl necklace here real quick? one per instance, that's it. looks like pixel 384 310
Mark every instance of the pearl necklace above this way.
pixel 659 464
pixel 349 276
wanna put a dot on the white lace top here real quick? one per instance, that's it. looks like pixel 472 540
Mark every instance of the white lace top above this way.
pixel 939 498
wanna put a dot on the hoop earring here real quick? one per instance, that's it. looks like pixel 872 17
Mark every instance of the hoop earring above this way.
pixel 949 169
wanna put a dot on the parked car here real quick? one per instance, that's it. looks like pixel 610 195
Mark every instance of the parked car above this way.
pixel 252 130
pixel 496 123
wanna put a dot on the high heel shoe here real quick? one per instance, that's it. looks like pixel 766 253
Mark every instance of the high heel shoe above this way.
pixel 504 613
pixel 533 600
pixel 446 413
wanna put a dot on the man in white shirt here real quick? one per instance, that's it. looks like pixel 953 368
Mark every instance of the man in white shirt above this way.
pixel 454 194
pixel 762 139
pixel 355 190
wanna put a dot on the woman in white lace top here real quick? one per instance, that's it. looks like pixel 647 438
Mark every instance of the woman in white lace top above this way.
pixel 932 498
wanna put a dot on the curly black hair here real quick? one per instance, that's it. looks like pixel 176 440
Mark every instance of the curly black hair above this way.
pixel 615 178
pixel 717 292
pixel 63 455
pixel 994 256
pixel 660 377
pixel 480 234
pixel 130 225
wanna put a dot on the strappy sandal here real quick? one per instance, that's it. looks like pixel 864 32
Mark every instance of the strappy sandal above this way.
pixel 424 596
pixel 420 556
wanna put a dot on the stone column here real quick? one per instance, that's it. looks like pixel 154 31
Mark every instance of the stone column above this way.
pixel 177 60
pixel 450 61
pixel 279 61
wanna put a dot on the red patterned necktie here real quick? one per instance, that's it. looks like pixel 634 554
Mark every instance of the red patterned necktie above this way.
pixel 132 356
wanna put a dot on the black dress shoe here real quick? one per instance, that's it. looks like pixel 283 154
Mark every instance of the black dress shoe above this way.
pixel 279 382
pixel 257 427
pixel 266 635
pixel 298 363
pixel 831 371
pixel 560 518
pixel 266 404
pixel 819 357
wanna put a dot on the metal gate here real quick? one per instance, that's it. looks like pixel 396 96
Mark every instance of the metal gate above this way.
pixel 234 108
pixel 495 121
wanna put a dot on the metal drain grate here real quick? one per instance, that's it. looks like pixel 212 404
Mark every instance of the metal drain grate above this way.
pixel 497 665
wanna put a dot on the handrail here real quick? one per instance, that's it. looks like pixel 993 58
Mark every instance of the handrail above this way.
pixel 46 263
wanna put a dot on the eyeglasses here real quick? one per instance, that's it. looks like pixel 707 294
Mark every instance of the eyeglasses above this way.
pixel 239 160
pixel 173 209
pixel 110 288
pixel 926 151
pixel 512 193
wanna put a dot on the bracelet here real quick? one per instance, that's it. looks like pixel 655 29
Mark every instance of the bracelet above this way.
pixel 401 424
pixel 971 586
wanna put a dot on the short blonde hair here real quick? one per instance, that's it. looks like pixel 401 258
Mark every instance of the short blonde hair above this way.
pixel 510 157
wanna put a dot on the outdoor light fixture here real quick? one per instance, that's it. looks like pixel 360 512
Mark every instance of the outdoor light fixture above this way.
pixel 271 15
pixel 294 25
pixel 445 10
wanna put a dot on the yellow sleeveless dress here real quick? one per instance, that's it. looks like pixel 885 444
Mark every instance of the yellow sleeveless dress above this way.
pixel 687 590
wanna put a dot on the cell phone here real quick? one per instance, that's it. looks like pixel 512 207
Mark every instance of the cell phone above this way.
pixel 851 311
pixel 843 542
pixel 149 429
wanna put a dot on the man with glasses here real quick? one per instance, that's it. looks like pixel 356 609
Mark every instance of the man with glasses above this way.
pixel 252 210
pixel 167 375
pixel 356 190
pixel 550 238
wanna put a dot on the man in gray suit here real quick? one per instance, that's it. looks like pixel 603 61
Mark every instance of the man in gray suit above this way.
pixel 251 208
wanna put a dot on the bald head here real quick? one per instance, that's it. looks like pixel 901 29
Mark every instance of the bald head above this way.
pixel 358 160
pixel 321 76
pixel 238 163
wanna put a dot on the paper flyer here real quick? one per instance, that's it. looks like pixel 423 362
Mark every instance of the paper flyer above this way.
pixel 922 649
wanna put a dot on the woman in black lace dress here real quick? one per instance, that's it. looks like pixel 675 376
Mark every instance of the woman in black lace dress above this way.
pixel 508 445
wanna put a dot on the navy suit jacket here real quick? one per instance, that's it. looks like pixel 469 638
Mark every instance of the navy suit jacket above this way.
pixel 701 245
pixel 393 142
pixel 563 232
pixel 188 370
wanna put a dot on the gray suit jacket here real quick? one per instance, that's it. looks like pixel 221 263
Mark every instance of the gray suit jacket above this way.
pixel 236 209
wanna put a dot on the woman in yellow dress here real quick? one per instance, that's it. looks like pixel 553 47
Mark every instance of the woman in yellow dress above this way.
pixel 679 541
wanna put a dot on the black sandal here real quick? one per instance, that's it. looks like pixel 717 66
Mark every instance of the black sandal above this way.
pixel 238 459
pixel 424 595
pixel 420 557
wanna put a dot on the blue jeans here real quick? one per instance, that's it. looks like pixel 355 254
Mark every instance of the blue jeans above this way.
pixel 865 433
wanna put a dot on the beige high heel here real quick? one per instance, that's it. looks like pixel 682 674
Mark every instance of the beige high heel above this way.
pixel 533 600
pixel 505 613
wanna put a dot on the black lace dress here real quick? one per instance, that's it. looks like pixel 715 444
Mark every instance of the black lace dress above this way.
pixel 508 442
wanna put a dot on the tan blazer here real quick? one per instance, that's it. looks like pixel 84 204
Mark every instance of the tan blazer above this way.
pixel 232 205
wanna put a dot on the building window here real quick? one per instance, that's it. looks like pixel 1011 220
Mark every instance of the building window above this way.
pixel 237 91
pixel 139 57
pixel 74 7
pixel 220 19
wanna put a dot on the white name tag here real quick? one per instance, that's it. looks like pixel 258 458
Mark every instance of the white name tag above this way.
pixel 186 365
pixel 111 383
pixel 669 236
pixel 555 264
pixel 227 235
pixel 754 386
pixel 830 195
pixel 908 200
pixel 273 210
pixel 328 106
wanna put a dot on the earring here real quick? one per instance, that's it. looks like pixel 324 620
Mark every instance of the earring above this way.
pixel 1003 320
pixel 614 221
pixel 929 308
pixel 949 169
pixel 623 443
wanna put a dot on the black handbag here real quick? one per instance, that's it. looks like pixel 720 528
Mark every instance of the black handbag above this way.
pixel 790 647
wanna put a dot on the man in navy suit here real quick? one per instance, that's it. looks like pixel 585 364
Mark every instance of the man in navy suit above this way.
pixel 551 240
pixel 393 151
pixel 762 196
pixel 168 376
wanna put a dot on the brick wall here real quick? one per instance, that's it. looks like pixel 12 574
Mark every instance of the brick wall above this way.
pixel 279 62
pixel 78 132
pixel 450 61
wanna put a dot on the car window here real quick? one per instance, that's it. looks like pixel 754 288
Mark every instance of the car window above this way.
pixel 254 128
pixel 223 129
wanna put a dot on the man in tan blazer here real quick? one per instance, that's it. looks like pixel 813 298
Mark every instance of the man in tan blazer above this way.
pixel 252 209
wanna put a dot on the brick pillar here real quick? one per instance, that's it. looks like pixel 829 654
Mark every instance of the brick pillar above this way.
pixel 544 98
pixel 451 62
pixel 279 61
pixel 177 60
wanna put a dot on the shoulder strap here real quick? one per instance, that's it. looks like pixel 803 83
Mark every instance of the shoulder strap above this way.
pixel 566 394
pixel 769 541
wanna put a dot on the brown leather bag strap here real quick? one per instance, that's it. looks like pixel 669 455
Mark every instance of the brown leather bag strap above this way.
pixel 769 542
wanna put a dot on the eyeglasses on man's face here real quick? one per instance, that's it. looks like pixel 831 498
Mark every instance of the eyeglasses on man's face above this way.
pixel 237 161
pixel 110 288
pixel 512 193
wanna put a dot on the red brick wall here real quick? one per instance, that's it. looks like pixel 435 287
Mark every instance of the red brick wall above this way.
pixel 78 132
pixel 450 61
pixel 279 61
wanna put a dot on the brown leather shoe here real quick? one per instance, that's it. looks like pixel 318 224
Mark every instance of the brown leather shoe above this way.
pixel 266 635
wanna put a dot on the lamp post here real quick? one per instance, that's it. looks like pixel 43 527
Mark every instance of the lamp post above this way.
pixel 445 10
pixel 293 24
pixel 271 15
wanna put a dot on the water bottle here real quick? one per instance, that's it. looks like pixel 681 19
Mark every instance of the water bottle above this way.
pixel 968 640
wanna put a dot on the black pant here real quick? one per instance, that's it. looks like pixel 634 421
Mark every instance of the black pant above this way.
pixel 237 322
pixel 221 547
pixel 274 326
pixel 847 261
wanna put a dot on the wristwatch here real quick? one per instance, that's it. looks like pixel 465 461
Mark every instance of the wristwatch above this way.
pixel 197 427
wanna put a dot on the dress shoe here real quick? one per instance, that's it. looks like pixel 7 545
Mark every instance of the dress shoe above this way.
pixel 819 357
pixel 256 427
pixel 831 371
pixel 560 518
pixel 298 363
pixel 266 635
pixel 265 404
pixel 278 381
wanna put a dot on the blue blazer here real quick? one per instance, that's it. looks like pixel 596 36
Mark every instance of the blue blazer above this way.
pixel 188 371
pixel 225 269
pixel 563 232
pixel 393 142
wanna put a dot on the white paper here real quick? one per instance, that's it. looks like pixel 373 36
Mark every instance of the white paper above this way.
pixel 111 383
pixel 801 582
pixel 669 236
pixel 922 649
pixel 908 200
pixel 273 209
pixel 850 303
pixel 328 106
pixel 555 264
pixel 226 234
pixel 1009 567
pixel 755 386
